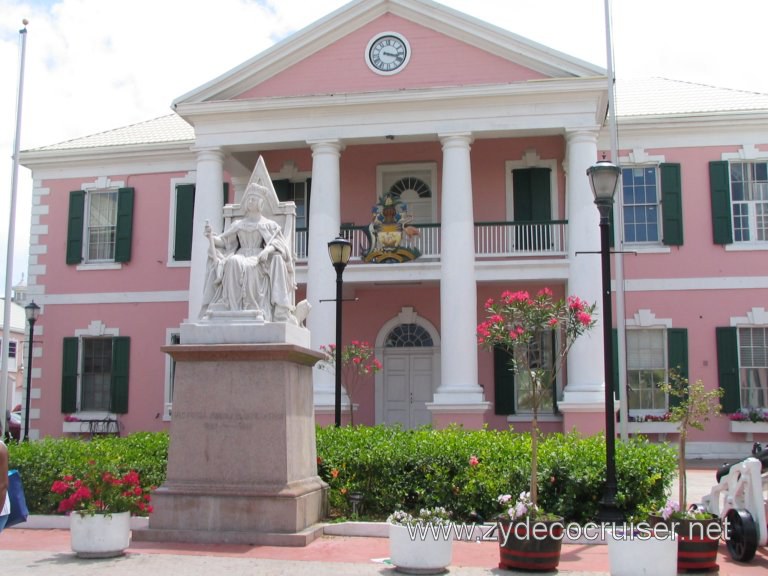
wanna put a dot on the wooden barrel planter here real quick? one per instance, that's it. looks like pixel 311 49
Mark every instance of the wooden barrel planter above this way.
pixel 530 545
pixel 697 544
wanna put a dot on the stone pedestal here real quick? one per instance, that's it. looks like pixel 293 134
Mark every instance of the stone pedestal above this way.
pixel 242 461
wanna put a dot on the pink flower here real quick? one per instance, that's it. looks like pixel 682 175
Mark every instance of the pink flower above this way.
pixel 473 461
pixel 584 318
pixel 545 292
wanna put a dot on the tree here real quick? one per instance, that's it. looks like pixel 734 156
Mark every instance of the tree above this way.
pixel 516 323
pixel 357 361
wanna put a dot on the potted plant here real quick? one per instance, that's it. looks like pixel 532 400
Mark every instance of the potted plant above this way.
pixel 698 531
pixel 357 361
pixel 517 323
pixel 100 504
pixel 529 538
pixel 421 544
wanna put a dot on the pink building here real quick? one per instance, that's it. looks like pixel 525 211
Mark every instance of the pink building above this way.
pixel 489 148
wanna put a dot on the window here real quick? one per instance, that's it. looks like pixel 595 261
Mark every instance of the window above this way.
pixel 414 184
pixel 513 392
pixel 641 204
pixel 652 204
pixel 100 226
pixel 753 368
pixel 646 370
pixel 651 353
pixel 298 192
pixel 12 348
pixel 749 197
pixel 95 374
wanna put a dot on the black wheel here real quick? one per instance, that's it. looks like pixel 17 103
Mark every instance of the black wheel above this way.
pixel 740 535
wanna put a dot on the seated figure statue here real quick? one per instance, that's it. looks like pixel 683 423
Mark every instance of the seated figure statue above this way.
pixel 250 266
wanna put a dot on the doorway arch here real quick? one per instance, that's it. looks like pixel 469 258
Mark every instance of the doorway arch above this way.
pixel 410 349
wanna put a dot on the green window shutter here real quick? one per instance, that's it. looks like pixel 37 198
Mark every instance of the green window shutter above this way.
pixel 671 204
pixel 615 336
pixel 225 193
pixel 121 348
pixel 283 189
pixel 75 227
pixel 185 212
pixel 69 375
pixel 728 368
pixel 677 355
pixel 720 191
pixel 503 383
pixel 124 228
pixel 309 192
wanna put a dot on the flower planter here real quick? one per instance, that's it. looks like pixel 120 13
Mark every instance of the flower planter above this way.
pixel 100 535
pixel 425 549
pixel 633 554
pixel 749 428
pixel 530 544
pixel 697 543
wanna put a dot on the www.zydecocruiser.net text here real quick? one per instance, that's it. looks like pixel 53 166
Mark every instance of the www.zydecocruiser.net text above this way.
pixel 572 531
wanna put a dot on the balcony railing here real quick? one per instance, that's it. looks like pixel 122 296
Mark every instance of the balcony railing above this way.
pixel 492 239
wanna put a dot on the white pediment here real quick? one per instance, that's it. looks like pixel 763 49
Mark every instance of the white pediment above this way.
pixel 350 17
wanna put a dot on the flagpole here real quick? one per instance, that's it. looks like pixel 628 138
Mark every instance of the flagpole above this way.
pixel 11 238
pixel 619 226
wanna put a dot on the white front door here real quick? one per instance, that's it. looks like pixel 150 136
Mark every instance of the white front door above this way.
pixel 408 386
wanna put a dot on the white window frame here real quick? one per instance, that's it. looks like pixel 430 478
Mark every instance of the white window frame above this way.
pixel 102 183
pixel 645 319
pixel 188 178
pixel 403 171
pixel 95 329
pixel 747 153
pixel 756 318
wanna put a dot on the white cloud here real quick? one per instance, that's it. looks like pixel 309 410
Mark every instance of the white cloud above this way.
pixel 93 65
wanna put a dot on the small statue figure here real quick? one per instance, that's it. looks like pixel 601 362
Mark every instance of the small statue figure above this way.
pixel 389 224
pixel 251 266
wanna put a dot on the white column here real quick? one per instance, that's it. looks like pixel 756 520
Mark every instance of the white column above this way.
pixel 458 289
pixel 208 206
pixel 325 220
pixel 585 360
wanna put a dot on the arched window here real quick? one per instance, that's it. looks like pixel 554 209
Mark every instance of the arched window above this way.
pixel 415 186
pixel 408 336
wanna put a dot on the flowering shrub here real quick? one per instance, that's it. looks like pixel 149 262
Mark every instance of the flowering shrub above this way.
pixel 647 418
pixel 437 516
pixel 752 415
pixel 357 361
pixel 517 323
pixel 671 511
pixel 103 492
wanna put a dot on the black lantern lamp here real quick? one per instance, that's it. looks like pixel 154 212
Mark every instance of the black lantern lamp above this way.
pixel 603 178
pixel 32 311
pixel 339 249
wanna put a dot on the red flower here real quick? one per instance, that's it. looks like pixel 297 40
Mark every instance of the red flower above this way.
pixel 473 461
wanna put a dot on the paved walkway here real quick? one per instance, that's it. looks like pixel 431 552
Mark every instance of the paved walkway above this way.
pixel 46 552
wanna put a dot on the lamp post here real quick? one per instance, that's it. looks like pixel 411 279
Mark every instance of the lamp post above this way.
pixel 339 250
pixel 603 178
pixel 32 311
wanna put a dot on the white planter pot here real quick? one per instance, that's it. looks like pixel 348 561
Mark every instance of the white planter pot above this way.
pixel 100 535
pixel 420 551
pixel 641 556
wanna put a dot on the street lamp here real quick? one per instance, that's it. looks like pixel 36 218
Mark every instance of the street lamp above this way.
pixel 339 250
pixel 32 311
pixel 603 178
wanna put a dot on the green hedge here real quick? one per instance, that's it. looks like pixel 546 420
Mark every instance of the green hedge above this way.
pixel 43 461
pixel 394 468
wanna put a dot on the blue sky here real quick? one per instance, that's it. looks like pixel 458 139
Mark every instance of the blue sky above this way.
pixel 93 65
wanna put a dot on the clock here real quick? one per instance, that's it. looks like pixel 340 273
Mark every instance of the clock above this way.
pixel 387 53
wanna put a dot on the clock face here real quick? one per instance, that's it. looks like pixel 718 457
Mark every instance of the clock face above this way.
pixel 387 53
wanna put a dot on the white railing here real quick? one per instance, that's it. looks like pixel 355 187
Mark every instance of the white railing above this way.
pixel 492 240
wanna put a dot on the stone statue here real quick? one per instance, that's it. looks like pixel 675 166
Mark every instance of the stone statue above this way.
pixel 250 271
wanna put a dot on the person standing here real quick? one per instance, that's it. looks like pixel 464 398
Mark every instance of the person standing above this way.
pixel 4 498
